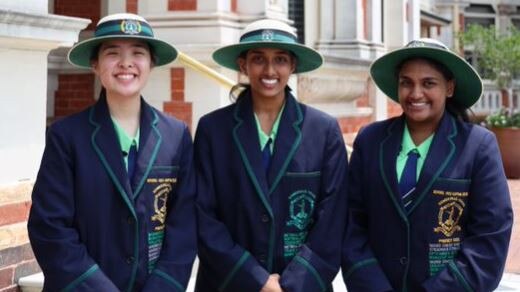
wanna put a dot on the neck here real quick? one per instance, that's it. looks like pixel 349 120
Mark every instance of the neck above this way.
pixel 421 131
pixel 126 111
pixel 267 110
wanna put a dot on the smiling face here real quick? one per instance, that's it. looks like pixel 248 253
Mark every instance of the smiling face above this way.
pixel 423 90
pixel 268 70
pixel 123 67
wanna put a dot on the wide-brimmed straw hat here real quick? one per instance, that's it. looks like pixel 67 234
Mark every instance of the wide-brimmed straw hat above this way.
pixel 468 85
pixel 121 26
pixel 269 33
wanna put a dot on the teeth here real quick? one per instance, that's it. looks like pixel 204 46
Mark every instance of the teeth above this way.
pixel 125 76
pixel 418 103
pixel 269 81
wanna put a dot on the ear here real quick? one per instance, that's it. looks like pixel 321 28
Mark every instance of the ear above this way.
pixel 293 64
pixel 450 88
pixel 242 65
pixel 94 66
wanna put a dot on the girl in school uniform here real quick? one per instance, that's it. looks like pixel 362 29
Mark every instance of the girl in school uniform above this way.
pixel 271 175
pixel 429 206
pixel 113 204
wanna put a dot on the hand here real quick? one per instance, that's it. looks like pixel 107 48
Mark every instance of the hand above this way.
pixel 272 284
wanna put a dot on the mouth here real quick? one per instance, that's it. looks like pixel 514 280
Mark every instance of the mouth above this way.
pixel 269 82
pixel 125 76
pixel 417 105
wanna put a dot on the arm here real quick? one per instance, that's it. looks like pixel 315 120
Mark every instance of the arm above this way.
pixel 318 261
pixel 173 268
pixel 63 258
pixel 361 271
pixel 232 267
pixel 479 264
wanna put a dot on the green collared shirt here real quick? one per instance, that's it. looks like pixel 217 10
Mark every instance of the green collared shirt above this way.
pixel 406 146
pixel 263 137
pixel 125 141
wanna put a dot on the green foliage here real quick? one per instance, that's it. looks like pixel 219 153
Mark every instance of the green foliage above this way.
pixel 498 54
pixel 503 119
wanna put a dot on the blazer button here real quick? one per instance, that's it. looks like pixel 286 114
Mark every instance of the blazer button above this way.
pixel 130 220
pixel 265 218
pixel 130 260
pixel 403 261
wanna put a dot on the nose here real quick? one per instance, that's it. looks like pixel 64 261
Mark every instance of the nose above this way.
pixel 417 91
pixel 125 61
pixel 269 68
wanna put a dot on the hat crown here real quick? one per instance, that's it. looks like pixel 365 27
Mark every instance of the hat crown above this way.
pixel 426 42
pixel 268 30
pixel 123 24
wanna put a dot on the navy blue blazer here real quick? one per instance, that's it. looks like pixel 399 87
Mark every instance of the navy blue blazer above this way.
pixel 289 221
pixel 457 234
pixel 91 228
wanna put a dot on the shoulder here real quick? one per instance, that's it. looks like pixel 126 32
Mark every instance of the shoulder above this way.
pixel 218 117
pixel 71 124
pixel 168 121
pixel 378 129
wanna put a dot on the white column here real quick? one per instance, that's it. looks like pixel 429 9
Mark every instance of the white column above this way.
pixel 28 37
pixel 326 24
pixel 346 19
pixel 414 24
pixel 395 25
pixel 114 6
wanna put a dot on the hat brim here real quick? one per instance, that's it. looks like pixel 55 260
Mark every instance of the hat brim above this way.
pixel 308 59
pixel 81 53
pixel 468 85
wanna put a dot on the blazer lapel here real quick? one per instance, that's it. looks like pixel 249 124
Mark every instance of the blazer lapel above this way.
pixel 388 151
pixel 149 143
pixel 106 145
pixel 245 136
pixel 287 140
pixel 440 154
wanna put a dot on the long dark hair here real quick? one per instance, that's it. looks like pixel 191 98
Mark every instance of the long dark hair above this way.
pixel 452 106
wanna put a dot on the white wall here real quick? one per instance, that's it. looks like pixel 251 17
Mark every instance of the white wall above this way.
pixel 26 37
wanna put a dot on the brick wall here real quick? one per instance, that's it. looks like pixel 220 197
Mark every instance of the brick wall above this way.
pixel 131 6
pixel 393 108
pixel 177 107
pixel 79 8
pixel 174 5
pixel 75 92
pixel 16 256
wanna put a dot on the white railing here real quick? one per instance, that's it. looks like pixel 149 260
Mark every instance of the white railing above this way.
pixel 491 99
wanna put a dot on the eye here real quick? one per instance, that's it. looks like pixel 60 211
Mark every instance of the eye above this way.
pixel 404 82
pixel 281 60
pixel 257 59
pixel 429 83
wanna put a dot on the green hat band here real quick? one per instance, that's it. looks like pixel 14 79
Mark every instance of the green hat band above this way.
pixel 128 27
pixel 268 35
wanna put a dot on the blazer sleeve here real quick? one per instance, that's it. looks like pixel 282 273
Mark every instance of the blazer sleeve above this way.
pixel 63 258
pixel 233 267
pixel 317 263
pixel 173 269
pixel 480 262
pixel 360 268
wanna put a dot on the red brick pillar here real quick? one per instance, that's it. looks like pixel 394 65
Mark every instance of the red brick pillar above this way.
pixel 177 107
pixel 16 257
pixel 174 5
pixel 131 6
pixel 75 93
pixel 233 5
pixel 79 8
